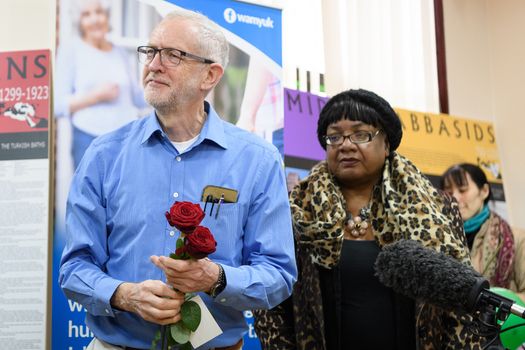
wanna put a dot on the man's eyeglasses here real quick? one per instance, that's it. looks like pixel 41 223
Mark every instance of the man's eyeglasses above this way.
pixel 357 138
pixel 169 57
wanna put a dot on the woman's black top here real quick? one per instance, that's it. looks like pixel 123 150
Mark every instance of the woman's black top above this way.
pixel 358 311
pixel 367 306
pixel 471 237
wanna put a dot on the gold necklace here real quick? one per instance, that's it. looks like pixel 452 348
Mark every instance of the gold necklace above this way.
pixel 357 225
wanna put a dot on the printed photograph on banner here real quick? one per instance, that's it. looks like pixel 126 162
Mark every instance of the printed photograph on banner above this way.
pixel 250 94
pixel 25 94
pixel 24 91
pixel 98 89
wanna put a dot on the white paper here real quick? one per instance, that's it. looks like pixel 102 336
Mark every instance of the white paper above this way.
pixel 208 328
pixel 24 252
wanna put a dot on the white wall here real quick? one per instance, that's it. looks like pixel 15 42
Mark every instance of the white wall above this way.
pixel 27 24
pixel 486 77
pixel 384 46
pixel 469 79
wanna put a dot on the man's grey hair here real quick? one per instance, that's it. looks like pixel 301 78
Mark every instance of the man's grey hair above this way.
pixel 210 38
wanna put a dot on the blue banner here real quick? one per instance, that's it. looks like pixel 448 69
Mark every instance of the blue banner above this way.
pixel 254 74
pixel 258 25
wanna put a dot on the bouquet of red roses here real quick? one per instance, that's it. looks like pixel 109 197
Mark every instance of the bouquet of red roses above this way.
pixel 195 242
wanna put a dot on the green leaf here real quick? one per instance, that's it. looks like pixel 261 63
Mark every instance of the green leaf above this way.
pixel 191 315
pixel 183 256
pixel 176 257
pixel 180 333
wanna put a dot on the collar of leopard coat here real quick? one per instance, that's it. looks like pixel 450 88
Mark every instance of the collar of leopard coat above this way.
pixel 404 205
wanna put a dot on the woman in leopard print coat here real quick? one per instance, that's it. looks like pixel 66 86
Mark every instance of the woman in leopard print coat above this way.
pixel 363 197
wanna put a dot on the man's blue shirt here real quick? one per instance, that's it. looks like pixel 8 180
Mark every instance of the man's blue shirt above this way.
pixel 115 221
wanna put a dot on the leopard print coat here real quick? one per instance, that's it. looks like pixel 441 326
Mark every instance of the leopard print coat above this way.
pixel 404 206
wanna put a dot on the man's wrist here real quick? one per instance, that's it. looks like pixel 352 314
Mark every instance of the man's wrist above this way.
pixel 220 284
pixel 118 299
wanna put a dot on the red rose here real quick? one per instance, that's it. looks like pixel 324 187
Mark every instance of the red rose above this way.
pixel 200 243
pixel 185 216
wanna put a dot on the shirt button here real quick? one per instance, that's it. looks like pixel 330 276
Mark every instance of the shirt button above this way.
pixel 175 194
pixel 178 158
pixel 172 233
pixel 107 311
pixel 223 300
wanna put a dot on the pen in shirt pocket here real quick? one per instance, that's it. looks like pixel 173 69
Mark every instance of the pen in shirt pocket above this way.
pixel 218 195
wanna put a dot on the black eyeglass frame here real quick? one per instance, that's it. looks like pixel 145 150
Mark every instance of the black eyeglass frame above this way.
pixel 371 136
pixel 180 54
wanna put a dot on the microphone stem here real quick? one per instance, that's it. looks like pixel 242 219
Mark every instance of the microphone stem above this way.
pixel 518 310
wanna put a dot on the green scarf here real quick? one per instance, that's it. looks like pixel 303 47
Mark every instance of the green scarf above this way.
pixel 474 223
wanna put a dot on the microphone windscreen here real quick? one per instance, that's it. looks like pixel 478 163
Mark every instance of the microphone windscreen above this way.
pixel 425 274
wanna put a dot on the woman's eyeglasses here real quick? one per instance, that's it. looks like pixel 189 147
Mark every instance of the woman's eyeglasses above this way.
pixel 169 57
pixel 356 138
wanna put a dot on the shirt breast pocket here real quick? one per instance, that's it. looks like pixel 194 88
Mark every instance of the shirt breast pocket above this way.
pixel 225 223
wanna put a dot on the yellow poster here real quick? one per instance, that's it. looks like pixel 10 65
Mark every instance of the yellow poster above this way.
pixel 434 142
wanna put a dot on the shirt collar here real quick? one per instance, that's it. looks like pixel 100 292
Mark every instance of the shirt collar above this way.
pixel 213 128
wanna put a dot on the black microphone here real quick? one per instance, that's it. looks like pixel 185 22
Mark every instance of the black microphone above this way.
pixel 423 273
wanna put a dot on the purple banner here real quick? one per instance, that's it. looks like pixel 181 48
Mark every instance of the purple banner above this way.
pixel 301 112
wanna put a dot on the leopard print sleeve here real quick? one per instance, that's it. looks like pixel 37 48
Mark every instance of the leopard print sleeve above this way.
pixel 444 329
pixel 451 206
pixel 275 328
pixel 298 322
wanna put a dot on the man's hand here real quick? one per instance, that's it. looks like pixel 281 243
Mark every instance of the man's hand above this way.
pixel 188 275
pixel 152 300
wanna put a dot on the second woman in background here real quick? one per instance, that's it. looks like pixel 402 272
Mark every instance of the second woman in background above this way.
pixel 95 84
pixel 496 252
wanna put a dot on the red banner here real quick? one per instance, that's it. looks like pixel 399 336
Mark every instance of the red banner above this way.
pixel 24 91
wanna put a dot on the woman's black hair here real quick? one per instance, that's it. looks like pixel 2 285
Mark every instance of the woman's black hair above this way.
pixel 456 174
pixel 361 105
